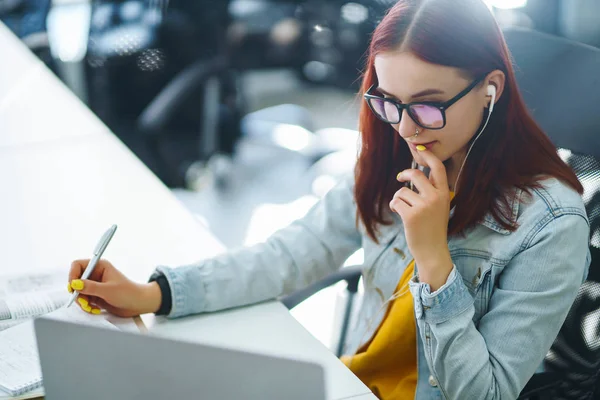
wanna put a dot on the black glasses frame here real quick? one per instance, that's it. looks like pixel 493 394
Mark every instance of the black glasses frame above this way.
pixel 442 106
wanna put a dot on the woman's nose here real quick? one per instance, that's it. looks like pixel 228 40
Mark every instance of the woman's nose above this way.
pixel 406 127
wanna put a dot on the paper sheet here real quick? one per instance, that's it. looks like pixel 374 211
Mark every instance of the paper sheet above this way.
pixel 126 324
pixel 10 323
pixel 27 283
pixel 25 296
pixel 29 305
pixel 76 315
pixel 19 359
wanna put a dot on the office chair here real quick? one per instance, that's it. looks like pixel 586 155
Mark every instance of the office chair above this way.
pixel 158 75
pixel 560 83
pixel 196 114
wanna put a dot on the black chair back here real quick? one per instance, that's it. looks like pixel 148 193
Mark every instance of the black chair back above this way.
pixel 560 81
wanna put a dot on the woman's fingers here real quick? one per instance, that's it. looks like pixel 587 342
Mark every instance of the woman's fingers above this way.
pixel 92 288
pixel 78 266
pixel 95 305
pixel 102 304
pixel 399 206
pixel 419 180
pixel 437 176
pixel 408 196
pixel 84 303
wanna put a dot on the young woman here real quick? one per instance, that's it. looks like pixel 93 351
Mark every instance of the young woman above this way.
pixel 468 277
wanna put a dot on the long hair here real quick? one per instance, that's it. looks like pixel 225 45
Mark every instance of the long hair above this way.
pixel 512 152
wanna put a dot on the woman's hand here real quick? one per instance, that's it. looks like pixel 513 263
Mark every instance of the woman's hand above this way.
pixel 107 288
pixel 425 216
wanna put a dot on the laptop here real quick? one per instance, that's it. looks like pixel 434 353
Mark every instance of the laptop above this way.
pixel 86 362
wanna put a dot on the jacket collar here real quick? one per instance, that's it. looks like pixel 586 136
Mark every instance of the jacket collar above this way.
pixel 387 233
pixel 514 202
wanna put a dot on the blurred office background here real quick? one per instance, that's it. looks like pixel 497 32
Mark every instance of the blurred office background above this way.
pixel 246 109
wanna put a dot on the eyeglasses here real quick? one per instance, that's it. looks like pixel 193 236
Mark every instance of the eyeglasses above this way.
pixel 426 114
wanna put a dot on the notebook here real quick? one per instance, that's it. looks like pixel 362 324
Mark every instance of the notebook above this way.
pixel 20 370
pixel 19 361
pixel 33 394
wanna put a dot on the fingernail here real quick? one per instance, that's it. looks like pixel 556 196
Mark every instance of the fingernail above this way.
pixel 69 288
pixel 87 308
pixel 421 147
pixel 83 302
pixel 77 284
pixel 398 176
pixel 96 311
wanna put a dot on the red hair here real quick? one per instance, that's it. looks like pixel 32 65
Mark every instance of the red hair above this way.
pixel 513 152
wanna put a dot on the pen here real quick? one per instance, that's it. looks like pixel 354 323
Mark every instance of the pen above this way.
pixel 98 251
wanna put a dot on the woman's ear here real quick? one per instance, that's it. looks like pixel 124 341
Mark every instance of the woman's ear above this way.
pixel 497 79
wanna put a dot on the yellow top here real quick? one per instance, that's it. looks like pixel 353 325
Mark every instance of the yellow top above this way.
pixel 388 363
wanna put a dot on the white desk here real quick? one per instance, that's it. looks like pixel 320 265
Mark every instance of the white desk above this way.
pixel 59 197
pixel 61 189
pixel 30 96
pixel 16 63
pixel 267 328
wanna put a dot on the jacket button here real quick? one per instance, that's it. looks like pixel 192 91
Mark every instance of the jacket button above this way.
pixel 399 252
pixel 432 381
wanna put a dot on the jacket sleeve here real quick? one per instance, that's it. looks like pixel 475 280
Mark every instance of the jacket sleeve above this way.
pixel 292 258
pixel 526 311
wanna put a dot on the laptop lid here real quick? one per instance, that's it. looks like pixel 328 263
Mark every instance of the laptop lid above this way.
pixel 85 362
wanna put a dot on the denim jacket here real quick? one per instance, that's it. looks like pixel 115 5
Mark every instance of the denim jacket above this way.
pixel 482 335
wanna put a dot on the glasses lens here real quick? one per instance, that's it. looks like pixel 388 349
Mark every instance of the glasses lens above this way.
pixel 385 110
pixel 427 116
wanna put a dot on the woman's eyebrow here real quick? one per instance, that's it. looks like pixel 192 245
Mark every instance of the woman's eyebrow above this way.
pixel 422 93
pixel 385 92
pixel 427 92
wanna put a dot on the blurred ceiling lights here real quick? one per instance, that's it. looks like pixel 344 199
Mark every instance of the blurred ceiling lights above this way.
pixel 354 13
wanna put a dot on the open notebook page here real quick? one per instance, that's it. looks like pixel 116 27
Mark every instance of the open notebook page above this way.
pixel 19 360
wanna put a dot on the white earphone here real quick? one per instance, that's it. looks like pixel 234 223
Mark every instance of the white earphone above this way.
pixel 491 91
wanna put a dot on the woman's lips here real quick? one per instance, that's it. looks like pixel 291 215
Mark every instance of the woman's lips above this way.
pixel 427 145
